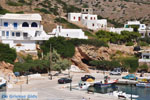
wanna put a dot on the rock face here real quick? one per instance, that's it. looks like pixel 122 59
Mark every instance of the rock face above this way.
pixel 77 59
pixel 6 71
pixel 86 52
pixel 105 53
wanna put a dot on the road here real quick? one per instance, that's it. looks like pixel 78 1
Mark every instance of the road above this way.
pixel 51 90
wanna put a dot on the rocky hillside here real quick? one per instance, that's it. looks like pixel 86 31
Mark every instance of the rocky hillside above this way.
pixel 119 11
pixel 85 53
pixel 116 11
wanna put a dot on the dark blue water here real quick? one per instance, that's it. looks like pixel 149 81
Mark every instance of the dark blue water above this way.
pixel 144 93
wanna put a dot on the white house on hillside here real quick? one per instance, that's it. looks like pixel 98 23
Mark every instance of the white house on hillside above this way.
pixel 141 26
pixel 22 31
pixel 145 56
pixel 119 30
pixel 70 33
pixel 89 20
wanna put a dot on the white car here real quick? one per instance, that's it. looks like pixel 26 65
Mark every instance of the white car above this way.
pixel 115 73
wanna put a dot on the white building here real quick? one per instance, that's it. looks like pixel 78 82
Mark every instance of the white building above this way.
pixel 22 31
pixel 145 56
pixel 130 23
pixel 119 30
pixel 70 33
pixel 89 20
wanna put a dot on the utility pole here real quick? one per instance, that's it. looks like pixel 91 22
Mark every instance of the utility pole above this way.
pixel 50 64
pixel 131 91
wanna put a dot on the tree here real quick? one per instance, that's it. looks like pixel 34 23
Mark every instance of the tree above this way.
pixel 104 64
pixel 65 48
pixel 130 63
pixel 7 54
pixel 58 62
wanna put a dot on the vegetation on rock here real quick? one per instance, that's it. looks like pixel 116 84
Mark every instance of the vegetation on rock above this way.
pixel 7 54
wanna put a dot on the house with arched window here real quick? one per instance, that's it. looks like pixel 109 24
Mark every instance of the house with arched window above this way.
pixel 22 31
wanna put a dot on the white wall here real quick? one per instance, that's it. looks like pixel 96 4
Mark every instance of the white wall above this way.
pixel 27 44
pixel 102 23
pixel 70 33
pixel 119 30
pixel 74 16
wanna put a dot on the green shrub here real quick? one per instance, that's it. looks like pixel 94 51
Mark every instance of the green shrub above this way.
pixel 43 10
pixel 61 45
pixel 104 64
pixel 68 8
pixel 93 42
pixel 144 66
pixel 12 3
pixel 87 33
pixel 130 63
pixel 3 11
pixel 20 12
pixel 7 54
pixel 129 44
pixel 143 43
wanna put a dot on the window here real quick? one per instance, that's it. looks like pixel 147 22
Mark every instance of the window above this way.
pixel 13 33
pixel 145 56
pixel 25 24
pixel 67 34
pixel 6 24
pixel 34 24
pixel 7 33
pixel 92 24
pixel 25 34
pixel 17 34
pixel 3 33
pixel 85 17
pixel 91 18
pixel 94 18
pixel 142 34
pixel 74 17
pixel 15 25
pixel 149 34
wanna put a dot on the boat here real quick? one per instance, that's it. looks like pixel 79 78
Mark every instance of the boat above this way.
pixel 102 84
pixel 142 84
pixel 121 94
pixel 84 85
pixel 2 82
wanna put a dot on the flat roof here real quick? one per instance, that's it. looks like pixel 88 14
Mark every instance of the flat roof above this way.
pixel 36 17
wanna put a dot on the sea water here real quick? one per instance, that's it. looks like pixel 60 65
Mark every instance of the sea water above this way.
pixel 143 93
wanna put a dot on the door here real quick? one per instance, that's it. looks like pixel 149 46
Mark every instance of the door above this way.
pixel 79 18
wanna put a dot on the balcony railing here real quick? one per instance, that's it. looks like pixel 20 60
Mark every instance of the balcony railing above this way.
pixel 21 28
pixel 144 60
pixel 25 38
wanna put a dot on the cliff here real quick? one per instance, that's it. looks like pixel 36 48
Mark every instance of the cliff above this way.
pixel 86 53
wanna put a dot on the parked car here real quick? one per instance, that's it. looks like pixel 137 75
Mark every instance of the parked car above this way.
pixel 130 77
pixel 56 74
pixel 64 80
pixel 87 77
pixel 116 71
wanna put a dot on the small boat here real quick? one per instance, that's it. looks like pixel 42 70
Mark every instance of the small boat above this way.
pixel 121 94
pixel 142 84
pixel 2 82
pixel 101 84
pixel 84 85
